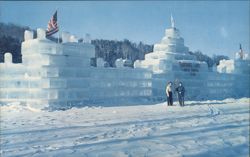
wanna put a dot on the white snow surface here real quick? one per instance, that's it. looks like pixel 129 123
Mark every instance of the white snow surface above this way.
pixel 200 129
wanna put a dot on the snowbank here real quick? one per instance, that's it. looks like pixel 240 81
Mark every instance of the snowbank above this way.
pixel 204 128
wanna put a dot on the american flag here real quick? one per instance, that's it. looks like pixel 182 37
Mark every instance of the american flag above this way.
pixel 52 25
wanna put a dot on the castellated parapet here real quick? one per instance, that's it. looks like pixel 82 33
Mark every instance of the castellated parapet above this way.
pixel 59 75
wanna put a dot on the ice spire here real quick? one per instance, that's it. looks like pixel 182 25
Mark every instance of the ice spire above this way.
pixel 172 21
pixel 241 52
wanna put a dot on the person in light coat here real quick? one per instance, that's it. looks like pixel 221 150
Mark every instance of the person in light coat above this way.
pixel 169 94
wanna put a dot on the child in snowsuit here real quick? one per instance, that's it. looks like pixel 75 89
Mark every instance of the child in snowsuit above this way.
pixel 169 94
pixel 180 93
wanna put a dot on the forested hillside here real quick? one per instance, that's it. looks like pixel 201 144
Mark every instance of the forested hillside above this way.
pixel 11 37
pixel 111 50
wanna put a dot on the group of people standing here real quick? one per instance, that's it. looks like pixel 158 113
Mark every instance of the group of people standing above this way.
pixel 179 89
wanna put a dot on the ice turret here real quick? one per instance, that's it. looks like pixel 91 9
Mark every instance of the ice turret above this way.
pixel 172 21
pixel 241 55
pixel 172 41
pixel 170 60
pixel 242 62
pixel 169 52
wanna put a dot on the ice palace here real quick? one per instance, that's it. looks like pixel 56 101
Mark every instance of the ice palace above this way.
pixel 59 75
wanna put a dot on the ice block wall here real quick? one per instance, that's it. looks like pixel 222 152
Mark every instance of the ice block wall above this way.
pixel 59 75
pixel 122 86
pixel 12 81
pixel 238 72
pixel 194 84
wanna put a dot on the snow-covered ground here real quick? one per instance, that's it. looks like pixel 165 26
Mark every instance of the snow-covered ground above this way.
pixel 207 128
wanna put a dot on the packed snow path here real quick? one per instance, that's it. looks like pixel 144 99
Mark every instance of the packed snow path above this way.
pixel 208 128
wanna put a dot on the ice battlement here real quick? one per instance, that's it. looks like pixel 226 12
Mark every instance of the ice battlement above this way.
pixel 59 75
pixel 69 46
pixel 240 65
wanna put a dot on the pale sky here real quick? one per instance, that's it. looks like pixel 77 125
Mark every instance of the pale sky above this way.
pixel 215 27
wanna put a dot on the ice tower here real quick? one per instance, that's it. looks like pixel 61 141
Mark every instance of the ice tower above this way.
pixel 51 73
pixel 170 61
pixel 169 53
pixel 238 70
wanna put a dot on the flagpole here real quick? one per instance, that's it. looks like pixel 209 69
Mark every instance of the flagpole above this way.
pixel 58 37
pixel 58 27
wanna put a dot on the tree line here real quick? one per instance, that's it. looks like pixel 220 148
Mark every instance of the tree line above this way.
pixel 110 50
pixel 12 35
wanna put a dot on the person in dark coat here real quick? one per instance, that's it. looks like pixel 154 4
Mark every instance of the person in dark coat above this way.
pixel 169 94
pixel 180 93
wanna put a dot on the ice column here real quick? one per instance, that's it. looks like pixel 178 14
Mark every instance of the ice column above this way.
pixel 28 35
pixel 8 58
pixel 41 34
pixel 65 37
